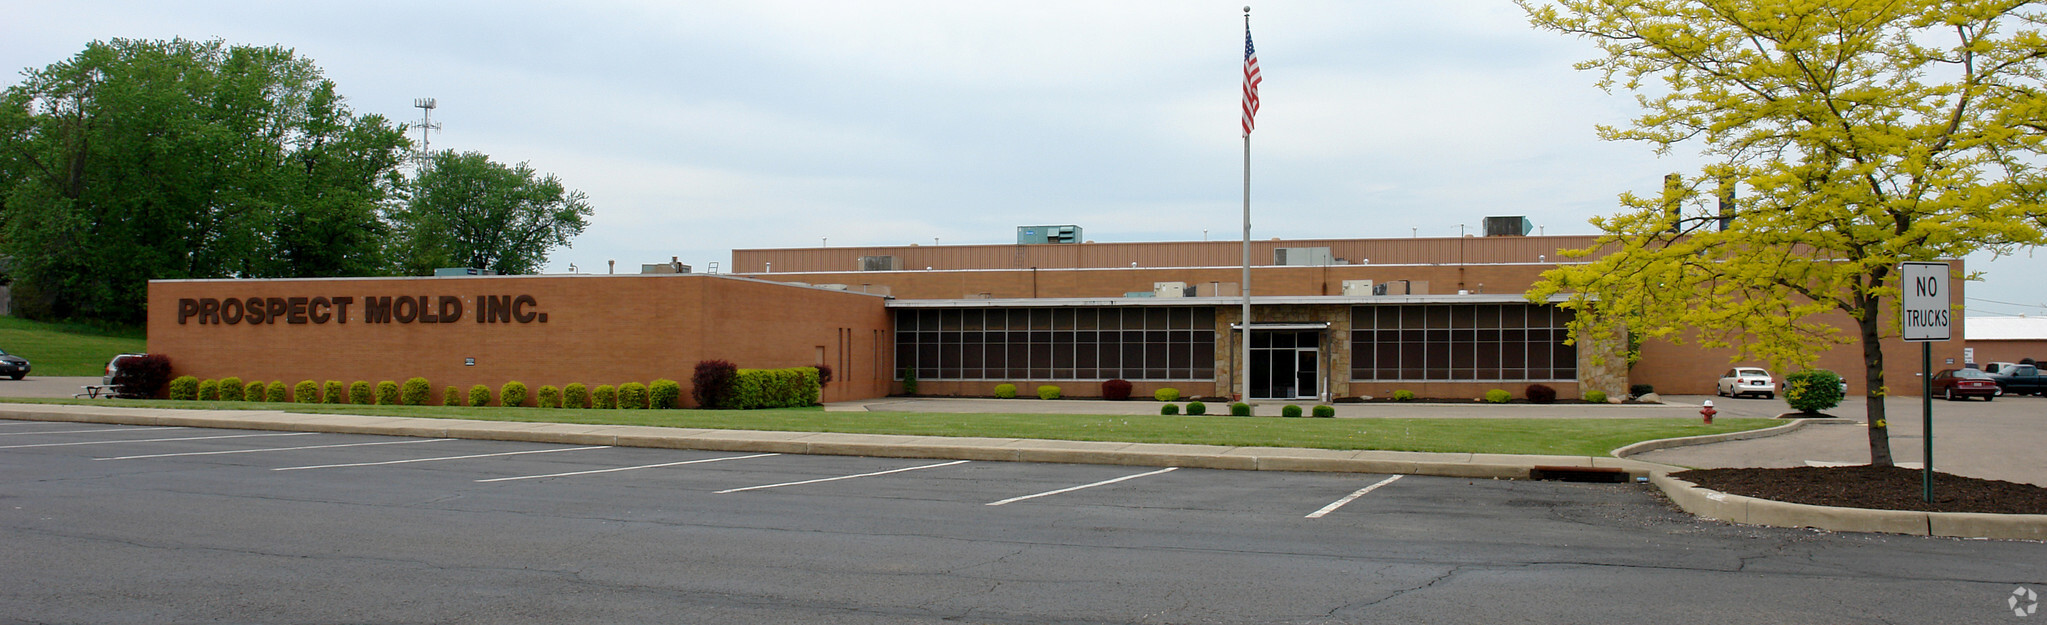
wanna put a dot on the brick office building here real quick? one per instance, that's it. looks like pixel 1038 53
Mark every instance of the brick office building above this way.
pixel 1443 317
pixel 1332 318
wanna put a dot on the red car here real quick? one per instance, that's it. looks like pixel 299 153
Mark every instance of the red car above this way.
pixel 1955 384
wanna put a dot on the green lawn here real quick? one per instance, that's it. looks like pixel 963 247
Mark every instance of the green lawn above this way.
pixel 67 349
pixel 1577 437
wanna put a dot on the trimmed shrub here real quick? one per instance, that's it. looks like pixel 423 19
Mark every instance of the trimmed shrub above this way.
pixel 144 376
pixel 1813 390
pixel 575 395
pixel 605 397
pixel 479 395
pixel 824 376
pixel 548 397
pixel 1240 409
pixel 1325 412
pixel 1403 395
pixel 185 388
pixel 512 394
pixel 451 396
pixel 1290 411
pixel 1638 390
pixel 1005 391
pixel 667 394
pixel 255 391
pixel 1166 394
pixel 1197 408
pixel 1541 394
pixel 334 392
pixel 1116 390
pixel 711 384
pixel 359 393
pixel 1595 396
pixel 909 381
pixel 306 392
pixel 775 388
pixel 633 395
pixel 1048 392
pixel 277 392
pixel 1169 409
pixel 231 389
pixel 387 393
pixel 415 392
pixel 1498 396
pixel 209 390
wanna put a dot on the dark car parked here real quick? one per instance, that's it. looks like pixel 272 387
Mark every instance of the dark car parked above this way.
pixel 13 366
pixel 2017 378
pixel 1954 384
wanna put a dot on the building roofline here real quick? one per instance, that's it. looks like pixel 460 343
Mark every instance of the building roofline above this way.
pixel 1052 302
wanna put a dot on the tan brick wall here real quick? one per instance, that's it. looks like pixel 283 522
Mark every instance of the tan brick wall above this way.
pixel 1691 369
pixel 2008 351
pixel 597 330
pixel 1265 281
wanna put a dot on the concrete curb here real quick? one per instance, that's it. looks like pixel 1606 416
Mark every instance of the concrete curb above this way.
pixel 1738 509
pixel 1704 439
pixel 1496 466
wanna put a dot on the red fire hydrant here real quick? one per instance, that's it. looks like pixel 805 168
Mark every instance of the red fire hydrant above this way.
pixel 1707 411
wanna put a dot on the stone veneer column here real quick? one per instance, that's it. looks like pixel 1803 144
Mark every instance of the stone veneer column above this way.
pixel 1603 364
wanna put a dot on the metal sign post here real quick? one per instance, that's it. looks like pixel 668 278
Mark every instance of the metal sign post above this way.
pixel 1926 316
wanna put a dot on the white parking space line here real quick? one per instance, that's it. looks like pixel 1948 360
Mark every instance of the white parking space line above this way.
pixel 1350 498
pixel 373 464
pixel 90 431
pixel 644 466
pixel 252 451
pixel 843 477
pixel 1075 488
pixel 155 440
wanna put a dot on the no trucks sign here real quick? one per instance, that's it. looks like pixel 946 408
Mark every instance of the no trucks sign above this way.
pixel 1926 311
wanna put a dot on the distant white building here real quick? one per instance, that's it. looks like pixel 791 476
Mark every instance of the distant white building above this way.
pixel 2006 339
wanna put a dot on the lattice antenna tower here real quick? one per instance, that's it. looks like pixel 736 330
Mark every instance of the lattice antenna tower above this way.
pixel 426 108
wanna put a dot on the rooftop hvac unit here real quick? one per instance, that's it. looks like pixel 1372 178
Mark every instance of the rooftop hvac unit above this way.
pixel 1169 289
pixel 1509 226
pixel 835 287
pixel 1032 235
pixel 877 263
pixel 1359 288
pixel 463 271
pixel 1302 256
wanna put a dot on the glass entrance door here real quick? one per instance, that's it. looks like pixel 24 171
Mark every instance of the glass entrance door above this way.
pixel 1286 364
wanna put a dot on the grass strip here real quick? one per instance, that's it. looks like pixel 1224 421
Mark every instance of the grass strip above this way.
pixel 67 349
pixel 1571 437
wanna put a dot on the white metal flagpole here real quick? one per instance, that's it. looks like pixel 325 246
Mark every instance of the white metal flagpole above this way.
pixel 1251 80
pixel 1244 373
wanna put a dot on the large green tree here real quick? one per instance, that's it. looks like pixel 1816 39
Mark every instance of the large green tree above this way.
pixel 469 211
pixel 1857 134
pixel 139 160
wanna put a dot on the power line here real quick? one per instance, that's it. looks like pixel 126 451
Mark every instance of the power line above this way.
pixel 1992 301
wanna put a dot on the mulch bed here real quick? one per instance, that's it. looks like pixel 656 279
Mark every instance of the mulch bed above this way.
pixel 1882 488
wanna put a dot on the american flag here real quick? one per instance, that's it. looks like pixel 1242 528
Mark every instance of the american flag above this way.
pixel 1251 80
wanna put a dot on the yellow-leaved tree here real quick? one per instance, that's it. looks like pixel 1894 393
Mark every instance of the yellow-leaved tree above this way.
pixel 1857 134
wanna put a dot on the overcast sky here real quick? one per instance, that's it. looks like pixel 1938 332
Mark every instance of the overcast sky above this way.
pixel 700 127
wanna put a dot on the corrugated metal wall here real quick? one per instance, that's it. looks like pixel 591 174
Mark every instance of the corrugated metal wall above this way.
pixel 1416 251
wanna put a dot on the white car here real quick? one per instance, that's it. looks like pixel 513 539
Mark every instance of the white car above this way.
pixel 1741 381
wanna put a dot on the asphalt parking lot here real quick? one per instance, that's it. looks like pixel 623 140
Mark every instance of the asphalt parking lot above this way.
pixel 124 524
pixel 2004 439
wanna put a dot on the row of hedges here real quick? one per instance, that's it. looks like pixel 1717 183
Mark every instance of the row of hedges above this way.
pixel 774 388
pixel 1241 409
pixel 416 391
pixel 1114 390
